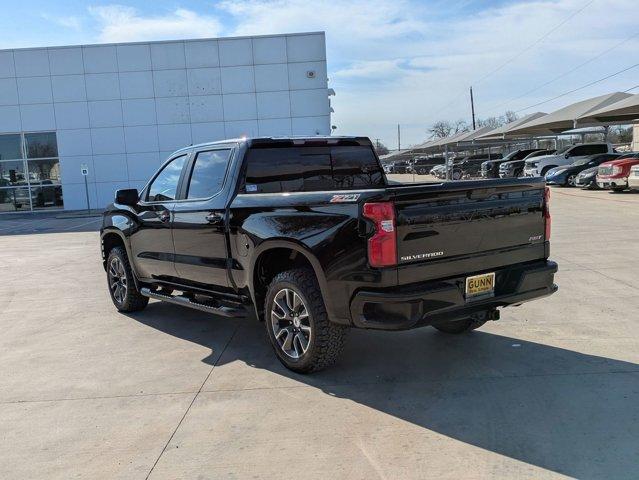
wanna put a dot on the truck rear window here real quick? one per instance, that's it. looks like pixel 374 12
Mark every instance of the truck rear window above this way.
pixel 311 169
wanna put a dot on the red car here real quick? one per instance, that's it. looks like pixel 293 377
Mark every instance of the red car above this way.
pixel 614 174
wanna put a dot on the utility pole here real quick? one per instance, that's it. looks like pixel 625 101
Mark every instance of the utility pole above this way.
pixel 472 107
pixel 399 139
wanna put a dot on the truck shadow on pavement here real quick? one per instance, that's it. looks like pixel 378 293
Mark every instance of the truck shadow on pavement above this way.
pixel 549 407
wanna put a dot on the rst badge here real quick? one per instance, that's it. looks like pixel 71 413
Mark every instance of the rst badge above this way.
pixel 345 198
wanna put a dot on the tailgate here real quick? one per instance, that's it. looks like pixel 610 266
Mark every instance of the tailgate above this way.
pixel 471 224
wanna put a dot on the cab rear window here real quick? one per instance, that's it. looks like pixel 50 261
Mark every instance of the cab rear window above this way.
pixel 311 169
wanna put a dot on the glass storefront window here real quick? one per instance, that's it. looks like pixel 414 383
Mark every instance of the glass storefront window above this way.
pixel 41 145
pixel 10 147
pixel 14 199
pixel 29 162
pixel 12 173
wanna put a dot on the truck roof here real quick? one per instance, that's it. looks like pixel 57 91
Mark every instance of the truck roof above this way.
pixel 292 139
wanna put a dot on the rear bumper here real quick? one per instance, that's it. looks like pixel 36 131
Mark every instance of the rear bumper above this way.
pixel 417 305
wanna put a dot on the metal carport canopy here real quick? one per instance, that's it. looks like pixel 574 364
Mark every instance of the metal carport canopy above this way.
pixel 502 132
pixel 567 117
pixel 624 111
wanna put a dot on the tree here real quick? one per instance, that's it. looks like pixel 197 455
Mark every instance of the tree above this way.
pixel 445 128
pixel 380 148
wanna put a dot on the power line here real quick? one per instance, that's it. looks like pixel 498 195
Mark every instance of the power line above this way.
pixel 535 43
pixel 502 65
pixel 601 54
pixel 582 87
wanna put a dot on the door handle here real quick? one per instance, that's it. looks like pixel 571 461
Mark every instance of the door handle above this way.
pixel 215 219
pixel 164 216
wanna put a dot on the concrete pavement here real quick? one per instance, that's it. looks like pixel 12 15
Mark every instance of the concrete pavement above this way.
pixel 549 391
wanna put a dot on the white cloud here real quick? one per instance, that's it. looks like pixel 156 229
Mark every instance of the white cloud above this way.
pixel 69 21
pixel 120 23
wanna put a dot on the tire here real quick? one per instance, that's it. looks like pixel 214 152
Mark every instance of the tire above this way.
pixel 456 175
pixel 519 173
pixel 618 189
pixel 126 298
pixel 570 181
pixel 456 327
pixel 544 171
pixel 306 322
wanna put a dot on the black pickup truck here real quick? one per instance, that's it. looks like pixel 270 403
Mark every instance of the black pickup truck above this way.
pixel 307 235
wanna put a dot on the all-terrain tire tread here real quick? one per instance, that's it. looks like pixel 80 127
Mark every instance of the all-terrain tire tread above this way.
pixel 329 337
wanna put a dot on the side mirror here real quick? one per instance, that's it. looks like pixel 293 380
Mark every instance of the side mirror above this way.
pixel 128 196
pixel 567 155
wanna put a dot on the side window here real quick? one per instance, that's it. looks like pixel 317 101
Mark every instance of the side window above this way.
pixel 164 185
pixel 594 149
pixel 207 176
pixel 355 167
pixel 578 151
pixel 297 169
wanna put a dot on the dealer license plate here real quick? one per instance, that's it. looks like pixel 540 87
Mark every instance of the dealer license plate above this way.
pixel 480 285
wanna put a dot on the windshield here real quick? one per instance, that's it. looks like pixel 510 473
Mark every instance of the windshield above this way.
pixel 563 150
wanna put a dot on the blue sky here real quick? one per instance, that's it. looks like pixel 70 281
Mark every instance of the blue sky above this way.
pixel 402 61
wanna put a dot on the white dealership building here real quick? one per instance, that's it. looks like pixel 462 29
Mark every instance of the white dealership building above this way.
pixel 115 112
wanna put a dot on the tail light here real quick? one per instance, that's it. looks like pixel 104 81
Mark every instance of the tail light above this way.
pixel 382 246
pixel 547 218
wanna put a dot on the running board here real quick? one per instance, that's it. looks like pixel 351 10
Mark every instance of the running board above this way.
pixel 185 302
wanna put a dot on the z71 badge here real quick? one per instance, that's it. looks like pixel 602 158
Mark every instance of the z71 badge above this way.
pixel 344 198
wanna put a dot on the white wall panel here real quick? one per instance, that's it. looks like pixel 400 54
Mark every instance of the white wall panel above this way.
pixel 235 52
pixel 269 50
pixel 34 90
pixel 110 168
pixel 172 110
pixel 106 191
pixel 167 55
pixel 8 91
pixel 307 103
pixel 66 61
pixel 299 75
pixel 306 48
pixel 31 63
pixel 136 84
pixel 273 105
pixel 206 108
pixel 170 83
pixel 201 53
pixel 74 195
pixel 175 136
pixel 139 111
pixel 246 128
pixel 105 113
pixel 71 169
pixel 239 106
pixel 100 59
pixel 238 79
pixel 204 81
pixel 68 88
pixel 275 127
pixel 7 67
pixel 207 132
pixel 70 115
pixel 102 86
pixel 37 117
pixel 271 77
pixel 141 139
pixel 10 118
pixel 141 166
pixel 132 58
pixel 311 125
pixel 74 142
pixel 107 140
